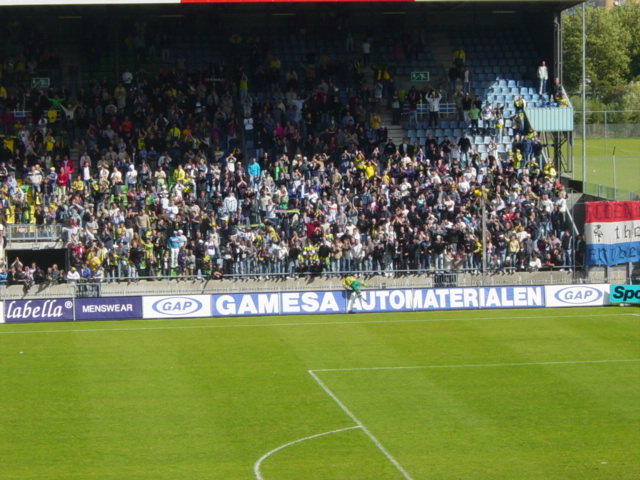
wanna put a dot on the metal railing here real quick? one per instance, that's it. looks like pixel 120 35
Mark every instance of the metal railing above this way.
pixel 27 232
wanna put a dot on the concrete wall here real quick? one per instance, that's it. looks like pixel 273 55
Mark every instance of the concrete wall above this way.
pixel 195 287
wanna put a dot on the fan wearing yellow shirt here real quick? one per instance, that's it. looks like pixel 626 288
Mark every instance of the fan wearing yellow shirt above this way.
pixel 370 169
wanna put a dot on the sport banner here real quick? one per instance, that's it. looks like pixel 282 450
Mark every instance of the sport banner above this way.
pixel 612 232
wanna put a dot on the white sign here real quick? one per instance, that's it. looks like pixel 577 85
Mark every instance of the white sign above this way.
pixel 577 295
pixel 176 306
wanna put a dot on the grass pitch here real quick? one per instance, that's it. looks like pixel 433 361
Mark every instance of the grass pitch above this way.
pixel 600 162
pixel 526 394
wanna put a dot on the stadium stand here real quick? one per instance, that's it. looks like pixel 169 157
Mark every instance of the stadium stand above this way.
pixel 269 155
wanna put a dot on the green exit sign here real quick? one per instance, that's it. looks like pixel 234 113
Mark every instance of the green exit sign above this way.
pixel 40 82
pixel 419 76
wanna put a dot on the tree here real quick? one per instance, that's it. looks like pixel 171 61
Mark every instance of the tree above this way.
pixel 608 47
pixel 628 16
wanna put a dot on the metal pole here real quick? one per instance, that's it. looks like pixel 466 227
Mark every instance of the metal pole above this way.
pixel 605 132
pixel 584 94
pixel 615 185
pixel 484 236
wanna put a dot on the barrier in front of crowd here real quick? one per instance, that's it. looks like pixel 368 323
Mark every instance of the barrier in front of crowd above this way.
pixel 303 302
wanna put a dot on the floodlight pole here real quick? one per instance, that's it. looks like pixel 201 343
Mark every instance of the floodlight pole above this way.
pixel 584 95
pixel 615 186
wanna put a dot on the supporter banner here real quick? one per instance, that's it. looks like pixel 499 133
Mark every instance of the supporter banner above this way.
pixel 612 232
pixel 625 294
pixel 577 295
pixel 179 306
pixel 109 308
pixel 278 303
pixel 448 299
pixel 23 311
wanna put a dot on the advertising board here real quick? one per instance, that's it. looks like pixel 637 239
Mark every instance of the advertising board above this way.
pixel 278 303
pixel 26 311
pixel 109 308
pixel 595 295
pixel 625 294
pixel 177 306
pixel 448 299
pixel 392 300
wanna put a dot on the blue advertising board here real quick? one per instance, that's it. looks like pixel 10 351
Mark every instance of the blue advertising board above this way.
pixel 392 300
pixel 278 303
pixel 109 308
pixel 26 311
pixel 448 299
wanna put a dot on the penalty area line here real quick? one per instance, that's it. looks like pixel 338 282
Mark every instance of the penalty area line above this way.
pixel 482 365
pixel 359 424
pixel 257 466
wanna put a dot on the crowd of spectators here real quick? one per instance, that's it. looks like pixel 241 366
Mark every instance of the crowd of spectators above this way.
pixel 162 186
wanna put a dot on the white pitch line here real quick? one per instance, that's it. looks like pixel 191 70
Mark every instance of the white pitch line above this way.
pixel 301 324
pixel 424 367
pixel 258 464
pixel 376 442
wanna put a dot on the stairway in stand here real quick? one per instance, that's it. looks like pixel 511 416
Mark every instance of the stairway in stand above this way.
pixel 396 132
